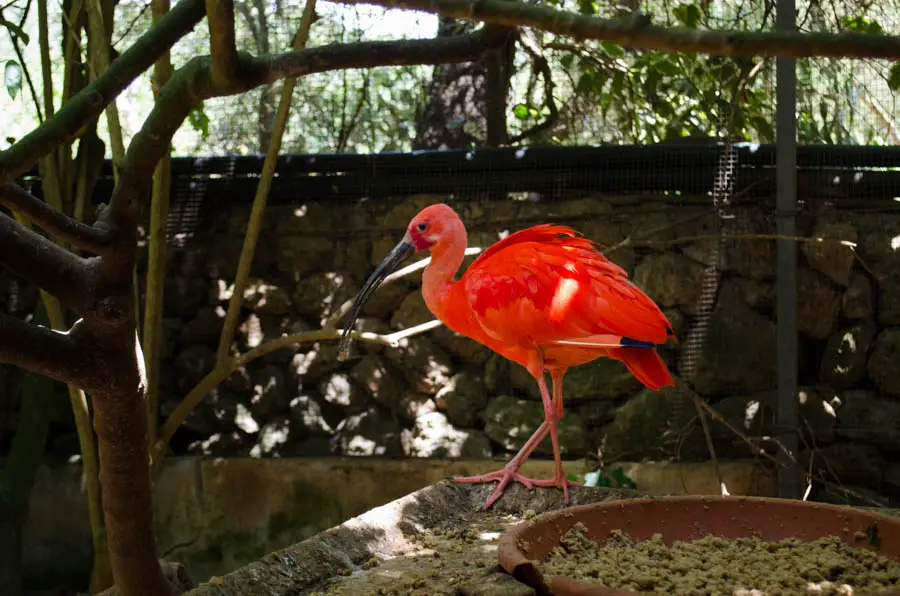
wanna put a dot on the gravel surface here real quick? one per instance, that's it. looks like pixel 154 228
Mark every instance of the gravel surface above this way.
pixel 718 566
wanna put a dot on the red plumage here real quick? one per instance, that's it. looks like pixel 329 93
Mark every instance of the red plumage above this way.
pixel 546 298
pixel 545 284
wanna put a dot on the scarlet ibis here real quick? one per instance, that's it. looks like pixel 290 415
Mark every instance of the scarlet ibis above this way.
pixel 545 298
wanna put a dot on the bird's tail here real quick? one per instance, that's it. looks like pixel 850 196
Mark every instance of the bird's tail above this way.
pixel 646 365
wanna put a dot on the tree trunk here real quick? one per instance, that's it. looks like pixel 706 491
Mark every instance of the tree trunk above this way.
pixel 466 104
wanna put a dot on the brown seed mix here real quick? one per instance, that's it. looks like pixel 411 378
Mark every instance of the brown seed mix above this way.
pixel 722 567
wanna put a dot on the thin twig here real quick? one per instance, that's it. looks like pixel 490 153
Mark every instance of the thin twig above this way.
pixel 542 66
pixel 28 81
pixel 254 226
pixel 88 103
pixel 224 369
pixel 99 60
pixel 156 251
pixel 133 22
pixel 704 423
pixel 474 250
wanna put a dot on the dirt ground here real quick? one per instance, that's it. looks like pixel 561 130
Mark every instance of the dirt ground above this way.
pixel 437 542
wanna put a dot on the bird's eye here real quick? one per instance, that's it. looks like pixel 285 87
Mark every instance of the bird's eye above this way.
pixel 422 227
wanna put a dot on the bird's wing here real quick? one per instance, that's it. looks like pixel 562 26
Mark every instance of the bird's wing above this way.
pixel 545 285
pixel 540 233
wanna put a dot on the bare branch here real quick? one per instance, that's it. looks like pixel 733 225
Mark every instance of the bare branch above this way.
pixel 48 266
pixel 154 296
pixel 90 101
pixel 99 33
pixel 222 47
pixel 41 350
pixel 638 33
pixel 542 66
pixel 24 65
pixel 63 227
pixel 421 264
pixel 193 83
pixel 224 369
pixel 254 225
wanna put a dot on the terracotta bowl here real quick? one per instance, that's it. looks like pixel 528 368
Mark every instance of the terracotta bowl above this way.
pixel 687 518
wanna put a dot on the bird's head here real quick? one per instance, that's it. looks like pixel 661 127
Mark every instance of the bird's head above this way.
pixel 432 226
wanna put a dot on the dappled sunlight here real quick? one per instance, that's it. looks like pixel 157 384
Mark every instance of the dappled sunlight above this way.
pixel 338 390
pixel 434 436
pixel 252 331
pixel 272 436
pixel 357 445
pixel 244 420
pixel 751 413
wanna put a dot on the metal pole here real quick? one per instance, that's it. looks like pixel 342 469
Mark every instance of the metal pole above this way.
pixel 786 209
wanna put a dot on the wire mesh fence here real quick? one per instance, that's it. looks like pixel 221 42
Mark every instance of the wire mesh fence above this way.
pixel 700 242
pixel 691 219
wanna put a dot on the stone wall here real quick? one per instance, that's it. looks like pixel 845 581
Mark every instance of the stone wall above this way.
pixel 442 395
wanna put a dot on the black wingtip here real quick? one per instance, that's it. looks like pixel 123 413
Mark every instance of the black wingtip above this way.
pixel 627 342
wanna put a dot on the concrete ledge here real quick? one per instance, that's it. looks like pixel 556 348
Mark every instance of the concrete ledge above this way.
pixel 217 515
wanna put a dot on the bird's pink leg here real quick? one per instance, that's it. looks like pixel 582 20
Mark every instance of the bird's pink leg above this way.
pixel 510 471
pixel 555 415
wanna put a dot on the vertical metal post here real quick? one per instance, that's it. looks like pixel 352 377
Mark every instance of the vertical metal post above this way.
pixel 786 208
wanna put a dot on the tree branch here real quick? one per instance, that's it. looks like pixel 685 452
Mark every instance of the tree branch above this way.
pixel 48 266
pixel 543 67
pixel 99 34
pixel 91 101
pixel 222 46
pixel 54 354
pixel 224 369
pixel 63 227
pixel 193 83
pixel 254 225
pixel 154 296
pixel 638 33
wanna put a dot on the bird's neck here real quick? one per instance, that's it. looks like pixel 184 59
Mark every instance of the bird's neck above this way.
pixel 437 279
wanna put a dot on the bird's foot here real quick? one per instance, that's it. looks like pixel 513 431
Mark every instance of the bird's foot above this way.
pixel 560 481
pixel 505 475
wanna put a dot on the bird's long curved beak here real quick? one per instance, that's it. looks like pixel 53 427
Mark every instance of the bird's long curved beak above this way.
pixel 398 254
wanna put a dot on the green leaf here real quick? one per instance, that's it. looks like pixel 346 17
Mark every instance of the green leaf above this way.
pixel 586 83
pixel 688 14
pixel 764 128
pixel 617 83
pixel 894 77
pixel 622 479
pixel 612 49
pixel 862 24
pixel 566 61
pixel 666 67
pixel 199 121
pixel 12 78
pixel 520 111
pixel 587 7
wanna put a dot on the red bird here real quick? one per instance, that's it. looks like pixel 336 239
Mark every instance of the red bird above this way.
pixel 542 297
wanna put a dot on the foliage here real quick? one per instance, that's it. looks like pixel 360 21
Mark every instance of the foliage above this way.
pixel 615 478
pixel 606 94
